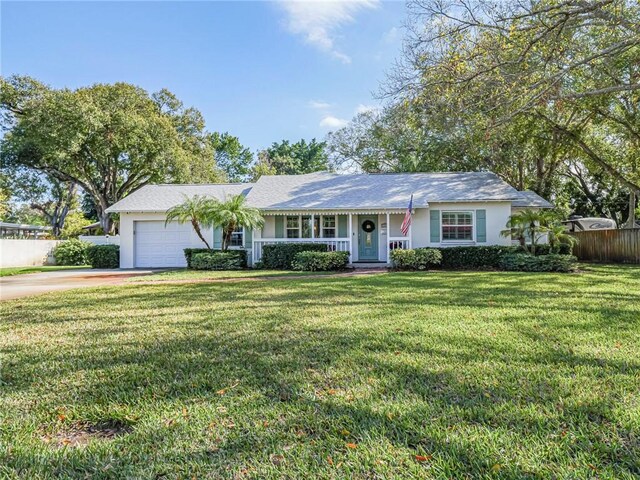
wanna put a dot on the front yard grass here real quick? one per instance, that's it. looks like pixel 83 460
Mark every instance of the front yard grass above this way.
pixel 184 274
pixel 396 375
pixel 8 271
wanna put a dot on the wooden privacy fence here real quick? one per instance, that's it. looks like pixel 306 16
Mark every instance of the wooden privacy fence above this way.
pixel 609 245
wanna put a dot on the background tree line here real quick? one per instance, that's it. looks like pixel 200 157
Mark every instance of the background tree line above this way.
pixel 67 155
pixel 545 93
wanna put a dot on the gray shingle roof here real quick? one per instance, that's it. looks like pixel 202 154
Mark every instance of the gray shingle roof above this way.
pixel 527 198
pixel 331 191
pixel 391 191
pixel 160 198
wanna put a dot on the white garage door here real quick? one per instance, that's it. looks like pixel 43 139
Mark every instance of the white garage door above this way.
pixel 160 246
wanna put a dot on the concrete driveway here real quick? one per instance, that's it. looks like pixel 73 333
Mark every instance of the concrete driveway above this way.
pixel 17 286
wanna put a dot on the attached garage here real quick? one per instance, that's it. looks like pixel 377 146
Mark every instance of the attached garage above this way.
pixel 158 246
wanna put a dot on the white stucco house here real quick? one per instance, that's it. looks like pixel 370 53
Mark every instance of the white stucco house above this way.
pixel 358 213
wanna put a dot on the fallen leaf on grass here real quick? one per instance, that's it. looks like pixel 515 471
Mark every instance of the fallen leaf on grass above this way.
pixel 277 459
pixel 344 432
pixel 496 468
pixel 352 445
pixel 423 458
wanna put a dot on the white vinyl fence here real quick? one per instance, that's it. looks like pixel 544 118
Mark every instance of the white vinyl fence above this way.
pixel 101 239
pixel 26 252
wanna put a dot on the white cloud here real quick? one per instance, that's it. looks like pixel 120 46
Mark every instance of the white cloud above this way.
pixel 330 121
pixel 318 21
pixel 319 104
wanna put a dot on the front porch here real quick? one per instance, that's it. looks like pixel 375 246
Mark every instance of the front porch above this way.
pixel 368 236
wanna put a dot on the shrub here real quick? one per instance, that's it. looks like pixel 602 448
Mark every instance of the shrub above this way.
pixel 523 262
pixel 320 261
pixel 473 258
pixel 280 256
pixel 104 256
pixel 545 249
pixel 415 259
pixel 219 260
pixel 189 252
pixel 71 252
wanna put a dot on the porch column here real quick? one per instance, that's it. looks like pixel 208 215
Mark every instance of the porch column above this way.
pixel 350 230
pixel 313 226
pixel 388 237
pixel 411 232
pixel 253 246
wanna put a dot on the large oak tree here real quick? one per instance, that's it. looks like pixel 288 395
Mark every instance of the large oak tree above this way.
pixel 108 139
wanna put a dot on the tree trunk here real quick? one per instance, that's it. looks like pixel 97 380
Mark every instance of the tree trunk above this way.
pixel 533 238
pixel 196 227
pixel 105 221
pixel 631 221
pixel 226 236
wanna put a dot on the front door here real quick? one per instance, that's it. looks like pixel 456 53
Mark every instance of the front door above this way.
pixel 367 238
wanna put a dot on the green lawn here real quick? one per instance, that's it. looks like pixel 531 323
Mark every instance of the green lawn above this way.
pixel 479 375
pixel 184 274
pixel 5 272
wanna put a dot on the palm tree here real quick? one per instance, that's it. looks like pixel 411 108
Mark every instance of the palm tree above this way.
pixel 527 223
pixel 232 213
pixel 197 210
pixel 557 235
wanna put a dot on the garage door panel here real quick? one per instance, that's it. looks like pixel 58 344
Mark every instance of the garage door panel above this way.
pixel 160 246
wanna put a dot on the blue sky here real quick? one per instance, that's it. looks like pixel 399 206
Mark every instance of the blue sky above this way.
pixel 263 71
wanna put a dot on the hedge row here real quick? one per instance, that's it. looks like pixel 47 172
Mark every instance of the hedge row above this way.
pixel 190 252
pixel 76 252
pixel 320 261
pixel 510 258
pixel 209 259
pixel 416 259
pixel 474 258
pixel 71 252
pixel 104 256
pixel 545 249
pixel 523 262
pixel 219 260
pixel 280 256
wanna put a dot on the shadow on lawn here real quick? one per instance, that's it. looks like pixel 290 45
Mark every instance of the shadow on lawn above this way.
pixel 287 358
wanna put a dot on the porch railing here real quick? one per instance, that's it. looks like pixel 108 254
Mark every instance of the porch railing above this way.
pixel 333 244
pixel 396 243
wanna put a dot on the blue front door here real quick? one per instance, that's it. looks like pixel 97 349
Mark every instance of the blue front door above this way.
pixel 367 238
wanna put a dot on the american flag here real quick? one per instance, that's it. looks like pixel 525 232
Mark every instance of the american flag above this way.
pixel 406 223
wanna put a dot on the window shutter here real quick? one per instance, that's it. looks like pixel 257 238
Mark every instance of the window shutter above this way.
pixel 279 226
pixel 481 226
pixel 342 226
pixel 434 221
pixel 248 237
pixel 217 237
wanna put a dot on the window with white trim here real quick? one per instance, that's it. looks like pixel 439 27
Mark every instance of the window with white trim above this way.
pixel 237 237
pixel 306 226
pixel 328 226
pixel 293 226
pixel 457 226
